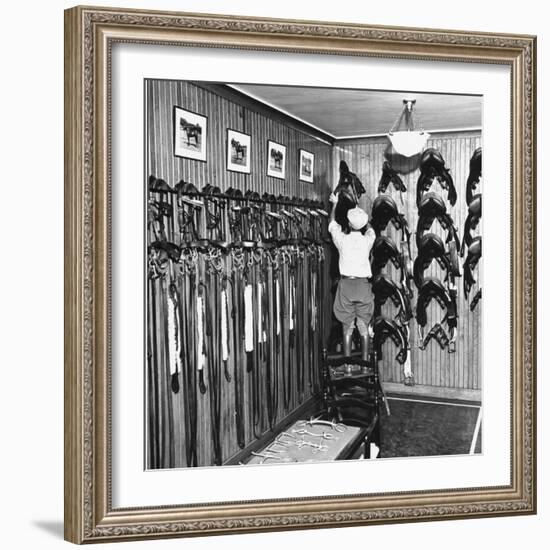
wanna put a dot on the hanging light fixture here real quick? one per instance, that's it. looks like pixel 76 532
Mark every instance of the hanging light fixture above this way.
pixel 408 142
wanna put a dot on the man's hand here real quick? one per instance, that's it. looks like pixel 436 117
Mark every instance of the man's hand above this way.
pixel 333 198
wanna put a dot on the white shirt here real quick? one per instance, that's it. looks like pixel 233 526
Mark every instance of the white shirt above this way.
pixel 354 249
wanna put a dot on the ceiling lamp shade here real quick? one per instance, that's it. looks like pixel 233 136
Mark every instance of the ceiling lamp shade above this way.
pixel 408 142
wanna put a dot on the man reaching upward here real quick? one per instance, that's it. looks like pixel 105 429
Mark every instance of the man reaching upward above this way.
pixel 354 301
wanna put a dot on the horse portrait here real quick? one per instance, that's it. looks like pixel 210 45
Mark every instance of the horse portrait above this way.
pixel 276 160
pixel 192 132
pixel 306 166
pixel 238 152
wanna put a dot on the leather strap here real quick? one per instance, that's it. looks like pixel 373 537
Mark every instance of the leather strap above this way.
pixel 438 333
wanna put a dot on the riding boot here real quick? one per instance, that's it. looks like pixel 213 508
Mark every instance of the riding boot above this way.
pixel 365 346
pixel 347 343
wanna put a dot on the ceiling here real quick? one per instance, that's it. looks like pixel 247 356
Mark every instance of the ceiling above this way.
pixel 346 113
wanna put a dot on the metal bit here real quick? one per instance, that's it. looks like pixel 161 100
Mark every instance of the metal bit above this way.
pixel 339 427
pixel 324 435
pixel 264 456
pixel 316 446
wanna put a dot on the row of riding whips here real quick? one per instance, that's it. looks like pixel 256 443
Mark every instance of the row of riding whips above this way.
pixel 243 277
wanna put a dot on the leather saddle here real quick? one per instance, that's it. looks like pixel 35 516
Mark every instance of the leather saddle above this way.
pixel 472 259
pixel 349 182
pixel 384 210
pixel 349 191
pixel 432 166
pixel 384 288
pixel 385 328
pixel 158 184
pixel 234 193
pixel 173 251
pixel 389 175
pixel 430 247
pixel 384 250
pixel 474 175
pixel 211 191
pixel 431 207
pixel 186 188
pixel 472 221
pixel 431 289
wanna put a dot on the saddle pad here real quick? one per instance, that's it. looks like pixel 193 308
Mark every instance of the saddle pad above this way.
pixel 333 449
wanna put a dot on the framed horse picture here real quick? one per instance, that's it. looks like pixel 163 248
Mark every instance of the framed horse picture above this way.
pixel 305 165
pixel 276 160
pixel 190 137
pixel 248 352
pixel 238 151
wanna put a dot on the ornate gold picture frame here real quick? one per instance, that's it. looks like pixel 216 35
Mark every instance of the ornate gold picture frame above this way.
pixel 90 34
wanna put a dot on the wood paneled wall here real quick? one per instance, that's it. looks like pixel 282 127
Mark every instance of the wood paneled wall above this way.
pixel 432 366
pixel 224 113
pixel 166 434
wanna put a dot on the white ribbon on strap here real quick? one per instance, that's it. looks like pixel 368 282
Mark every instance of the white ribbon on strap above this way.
pixel 248 319
pixel 200 327
pixel 407 369
pixel 173 354
pixel 225 349
pixel 261 333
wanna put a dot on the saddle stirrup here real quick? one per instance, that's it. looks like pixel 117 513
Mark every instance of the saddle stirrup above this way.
pixel 384 398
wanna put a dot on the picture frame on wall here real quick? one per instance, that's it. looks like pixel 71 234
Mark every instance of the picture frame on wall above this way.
pixel 110 493
pixel 276 160
pixel 306 166
pixel 238 151
pixel 190 134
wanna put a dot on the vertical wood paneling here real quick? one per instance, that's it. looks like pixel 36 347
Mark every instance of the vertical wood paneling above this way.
pixel 432 366
pixel 222 113
pixel 365 157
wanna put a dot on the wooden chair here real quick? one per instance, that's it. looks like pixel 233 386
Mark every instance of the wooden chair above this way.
pixel 352 395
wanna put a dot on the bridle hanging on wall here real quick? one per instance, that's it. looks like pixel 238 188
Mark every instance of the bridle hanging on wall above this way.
pixel 241 313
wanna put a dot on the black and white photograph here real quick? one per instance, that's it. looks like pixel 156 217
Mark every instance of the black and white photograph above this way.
pixel 276 160
pixel 238 151
pixel 306 166
pixel 313 323
pixel 190 138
